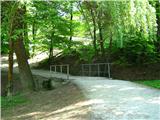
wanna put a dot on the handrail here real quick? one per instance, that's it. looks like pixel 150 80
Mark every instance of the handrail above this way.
pixel 98 68
pixel 61 69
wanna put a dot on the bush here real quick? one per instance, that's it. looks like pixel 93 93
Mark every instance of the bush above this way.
pixel 138 49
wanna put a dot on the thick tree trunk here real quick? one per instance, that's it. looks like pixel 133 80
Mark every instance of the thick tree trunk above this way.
pixel 19 48
pixel 26 40
pixel 24 69
pixel 10 69
pixel 94 39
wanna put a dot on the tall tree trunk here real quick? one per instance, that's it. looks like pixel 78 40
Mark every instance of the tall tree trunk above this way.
pixel 33 36
pixel 51 49
pixel 10 69
pixel 24 68
pixel 110 48
pixel 94 31
pixel 101 38
pixel 50 52
pixel 71 18
pixel 11 48
pixel 26 40
pixel 101 41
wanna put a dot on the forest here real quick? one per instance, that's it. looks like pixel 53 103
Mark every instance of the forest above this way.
pixel 124 34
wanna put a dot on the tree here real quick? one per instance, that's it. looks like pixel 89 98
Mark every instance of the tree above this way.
pixel 11 46
pixel 92 6
pixel 19 48
pixel 71 23
pixel 156 5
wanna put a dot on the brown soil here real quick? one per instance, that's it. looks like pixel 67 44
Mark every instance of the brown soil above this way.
pixel 141 72
pixel 64 103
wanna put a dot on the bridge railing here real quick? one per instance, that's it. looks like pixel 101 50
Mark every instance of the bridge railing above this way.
pixel 96 69
pixel 62 70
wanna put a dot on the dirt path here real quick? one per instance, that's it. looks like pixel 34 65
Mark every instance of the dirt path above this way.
pixel 117 99
pixel 120 100
pixel 63 103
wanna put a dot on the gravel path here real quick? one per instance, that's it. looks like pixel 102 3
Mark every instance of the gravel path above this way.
pixel 120 100
pixel 116 99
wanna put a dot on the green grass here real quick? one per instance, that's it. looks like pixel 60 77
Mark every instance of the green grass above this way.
pixel 7 102
pixel 151 83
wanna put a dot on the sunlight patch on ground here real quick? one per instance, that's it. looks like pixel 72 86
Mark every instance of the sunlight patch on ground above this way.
pixel 30 114
pixel 138 98
pixel 130 88
pixel 155 100
pixel 72 112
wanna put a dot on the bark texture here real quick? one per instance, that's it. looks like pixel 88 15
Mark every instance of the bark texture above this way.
pixel 19 48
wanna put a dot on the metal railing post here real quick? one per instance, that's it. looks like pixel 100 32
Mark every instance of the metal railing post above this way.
pixel 109 75
pixel 104 70
pixel 50 71
pixel 55 70
pixel 61 68
pixel 98 71
pixel 82 70
pixel 68 72
pixel 89 70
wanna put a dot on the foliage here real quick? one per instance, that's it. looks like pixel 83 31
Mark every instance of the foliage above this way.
pixel 138 49
pixel 86 53
pixel 132 23
pixel 130 17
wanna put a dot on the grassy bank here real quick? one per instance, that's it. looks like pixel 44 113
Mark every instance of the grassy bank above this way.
pixel 12 101
pixel 151 83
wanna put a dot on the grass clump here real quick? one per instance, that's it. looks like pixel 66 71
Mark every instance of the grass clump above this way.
pixel 151 83
pixel 11 101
